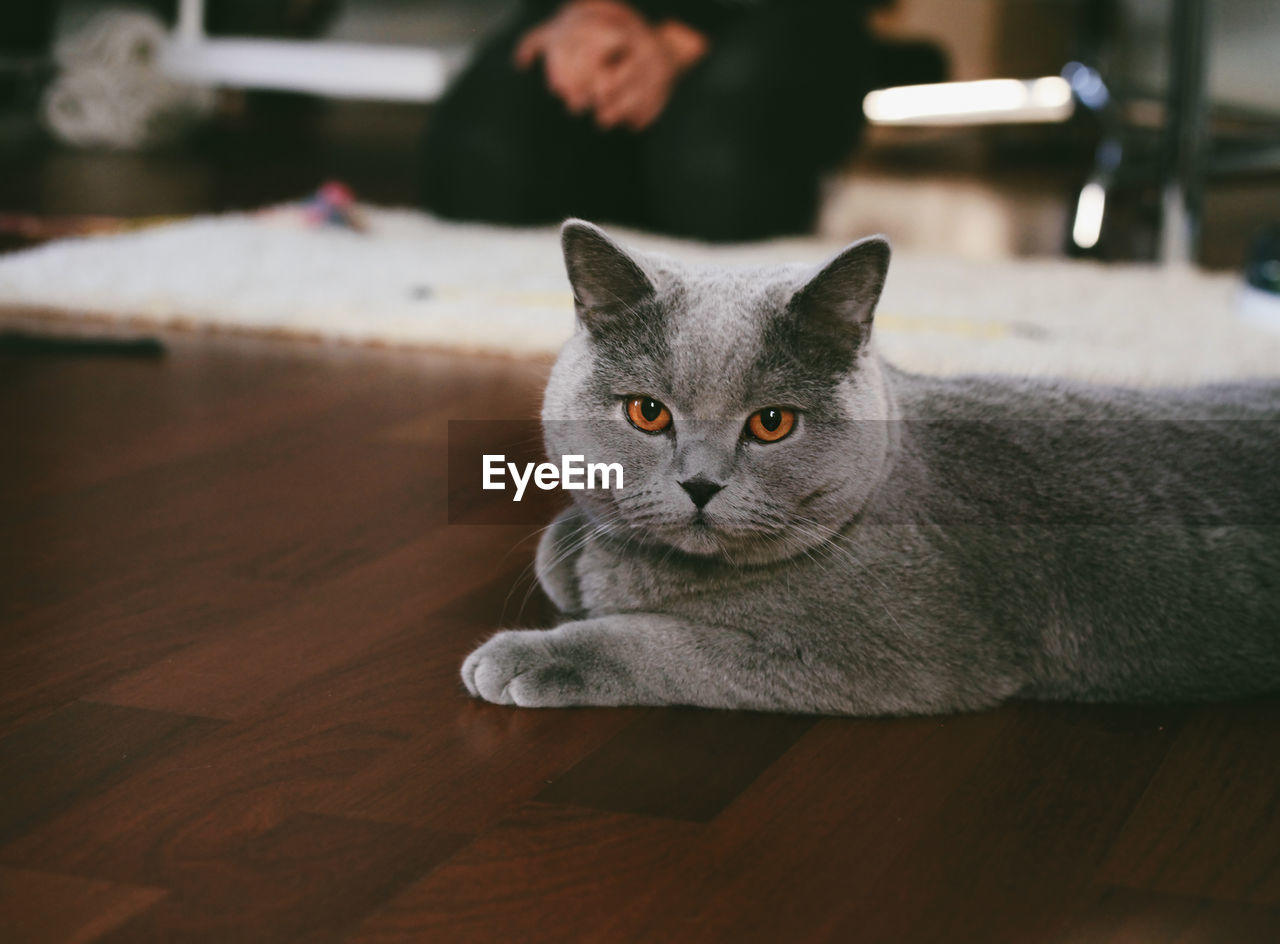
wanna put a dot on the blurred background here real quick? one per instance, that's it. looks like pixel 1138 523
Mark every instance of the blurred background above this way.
pixel 974 187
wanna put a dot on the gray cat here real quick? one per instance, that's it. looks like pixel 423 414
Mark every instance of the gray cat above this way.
pixel 805 528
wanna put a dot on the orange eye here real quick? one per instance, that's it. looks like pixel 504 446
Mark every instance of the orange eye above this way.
pixel 647 414
pixel 771 424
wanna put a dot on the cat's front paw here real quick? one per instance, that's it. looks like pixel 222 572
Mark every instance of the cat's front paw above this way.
pixel 519 667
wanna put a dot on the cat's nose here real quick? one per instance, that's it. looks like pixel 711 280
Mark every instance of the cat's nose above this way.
pixel 700 490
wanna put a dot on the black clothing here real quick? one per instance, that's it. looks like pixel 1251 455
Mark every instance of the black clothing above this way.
pixel 736 153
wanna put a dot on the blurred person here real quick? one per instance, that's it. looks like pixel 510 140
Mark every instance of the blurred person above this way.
pixel 705 118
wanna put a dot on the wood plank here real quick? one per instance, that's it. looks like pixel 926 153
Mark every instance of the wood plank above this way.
pixel 979 827
pixel 546 873
pixel 279 478
pixel 307 879
pixel 241 670
pixel 680 763
pixel 385 734
pixel 109 638
pixel 459 763
pixel 43 908
pixel 82 421
pixel 1209 824
pixel 194 561
pixel 77 752
pixel 201 802
pixel 1132 916
pixel 178 549
pixel 270 490
pixel 787 857
pixel 1016 846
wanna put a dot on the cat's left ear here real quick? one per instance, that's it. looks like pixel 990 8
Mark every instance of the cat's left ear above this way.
pixel 608 284
pixel 839 302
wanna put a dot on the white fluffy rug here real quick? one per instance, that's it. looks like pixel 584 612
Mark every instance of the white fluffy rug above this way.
pixel 413 280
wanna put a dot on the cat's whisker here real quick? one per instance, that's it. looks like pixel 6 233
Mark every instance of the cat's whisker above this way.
pixel 573 548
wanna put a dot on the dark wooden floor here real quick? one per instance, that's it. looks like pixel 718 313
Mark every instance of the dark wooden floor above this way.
pixel 233 614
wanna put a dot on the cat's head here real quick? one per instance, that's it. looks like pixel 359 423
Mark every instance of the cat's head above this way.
pixel 744 405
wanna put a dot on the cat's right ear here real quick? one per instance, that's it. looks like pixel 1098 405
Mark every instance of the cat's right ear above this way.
pixel 836 306
pixel 608 285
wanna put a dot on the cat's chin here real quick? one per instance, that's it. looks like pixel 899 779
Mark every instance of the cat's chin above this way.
pixel 699 539
pixel 705 538
pixel 702 540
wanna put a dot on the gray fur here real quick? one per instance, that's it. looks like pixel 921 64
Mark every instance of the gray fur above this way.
pixel 916 545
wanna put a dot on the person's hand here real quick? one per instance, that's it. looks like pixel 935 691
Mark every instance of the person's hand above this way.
pixel 582 40
pixel 633 92
pixel 603 56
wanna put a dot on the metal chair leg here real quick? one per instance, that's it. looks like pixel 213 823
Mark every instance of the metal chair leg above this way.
pixel 1184 134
